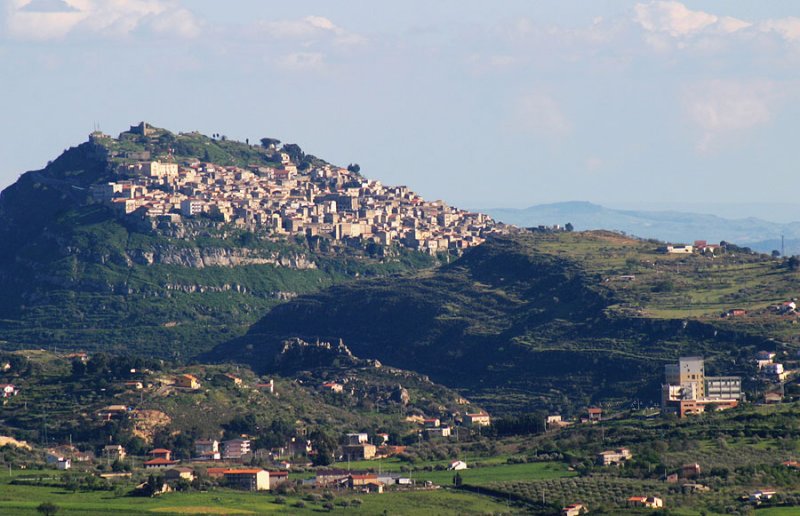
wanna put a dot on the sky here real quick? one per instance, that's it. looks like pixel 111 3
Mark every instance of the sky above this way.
pixel 481 104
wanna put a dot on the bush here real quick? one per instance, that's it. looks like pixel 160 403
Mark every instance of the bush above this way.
pixel 47 508
pixel 300 504
pixel 280 500
pixel 328 506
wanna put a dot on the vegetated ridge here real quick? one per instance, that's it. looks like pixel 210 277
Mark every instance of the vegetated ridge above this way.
pixel 547 320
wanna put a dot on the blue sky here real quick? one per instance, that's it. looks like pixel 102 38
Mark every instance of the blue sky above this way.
pixel 652 103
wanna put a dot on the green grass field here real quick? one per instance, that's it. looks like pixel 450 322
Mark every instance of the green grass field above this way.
pixel 492 469
pixel 500 473
pixel 23 500
pixel 778 511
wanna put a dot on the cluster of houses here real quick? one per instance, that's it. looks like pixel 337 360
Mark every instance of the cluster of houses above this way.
pixel 234 450
pixel 363 481
pixel 768 368
pixel 246 478
pixel 324 200
pixel 687 389
pixel 434 427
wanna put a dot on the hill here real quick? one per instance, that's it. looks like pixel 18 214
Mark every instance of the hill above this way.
pixel 543 320
pixel 669 226
pixel 83 271
pixel 72 395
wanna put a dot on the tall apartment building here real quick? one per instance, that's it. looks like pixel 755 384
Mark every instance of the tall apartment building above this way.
pixel 689 373
pixel 687 390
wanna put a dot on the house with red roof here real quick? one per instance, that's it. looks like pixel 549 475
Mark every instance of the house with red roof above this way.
pixel 159 463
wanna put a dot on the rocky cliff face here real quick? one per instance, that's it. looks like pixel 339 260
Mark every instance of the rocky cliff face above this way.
pixel 198 258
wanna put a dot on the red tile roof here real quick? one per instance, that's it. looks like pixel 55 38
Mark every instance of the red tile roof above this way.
pixel 159 462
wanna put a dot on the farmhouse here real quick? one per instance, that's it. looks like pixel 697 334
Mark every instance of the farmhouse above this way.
pixel 364 451
pixel 575 509
pixel 114 452
pixel 158 463
pixel 179 473
pixel 617 456
pixel 457 465
pixel 648 502
pixel 478 419
pixel 332 387
pixel 187 381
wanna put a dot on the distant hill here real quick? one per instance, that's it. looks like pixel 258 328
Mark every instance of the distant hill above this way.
pixel 670 226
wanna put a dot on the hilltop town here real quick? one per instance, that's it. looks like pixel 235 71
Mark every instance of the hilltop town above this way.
pixel 286 197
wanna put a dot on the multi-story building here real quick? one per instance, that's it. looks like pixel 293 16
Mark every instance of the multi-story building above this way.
pixel 689 373
pixel 477 419
pixel 724 387
pixel 235 448
pixel 247 479
pixel 687 390
pixel 617 456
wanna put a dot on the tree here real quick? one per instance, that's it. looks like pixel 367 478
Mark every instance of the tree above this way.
pixel 294 151
pixel 354 168
pixel 325 446
pixel 775 253
pixel 569 226
pixel 270 143
pixel 71 482
pixel 793 263
pixel 47 508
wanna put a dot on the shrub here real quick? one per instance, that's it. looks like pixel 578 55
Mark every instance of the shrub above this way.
pixel 47 508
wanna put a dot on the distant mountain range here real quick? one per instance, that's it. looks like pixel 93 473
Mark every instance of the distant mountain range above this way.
pixel 670 226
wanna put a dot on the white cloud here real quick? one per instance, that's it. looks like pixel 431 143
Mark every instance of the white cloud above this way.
pixel 673 18
pixel 308 29
pixel 788 28
pixel 54 19
pixel 729 25
pixel 540 113
pixel 721 108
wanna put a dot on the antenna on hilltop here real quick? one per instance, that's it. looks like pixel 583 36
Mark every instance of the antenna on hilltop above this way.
pixel 783 253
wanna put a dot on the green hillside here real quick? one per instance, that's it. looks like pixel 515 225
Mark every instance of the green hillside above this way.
pixel 543 321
